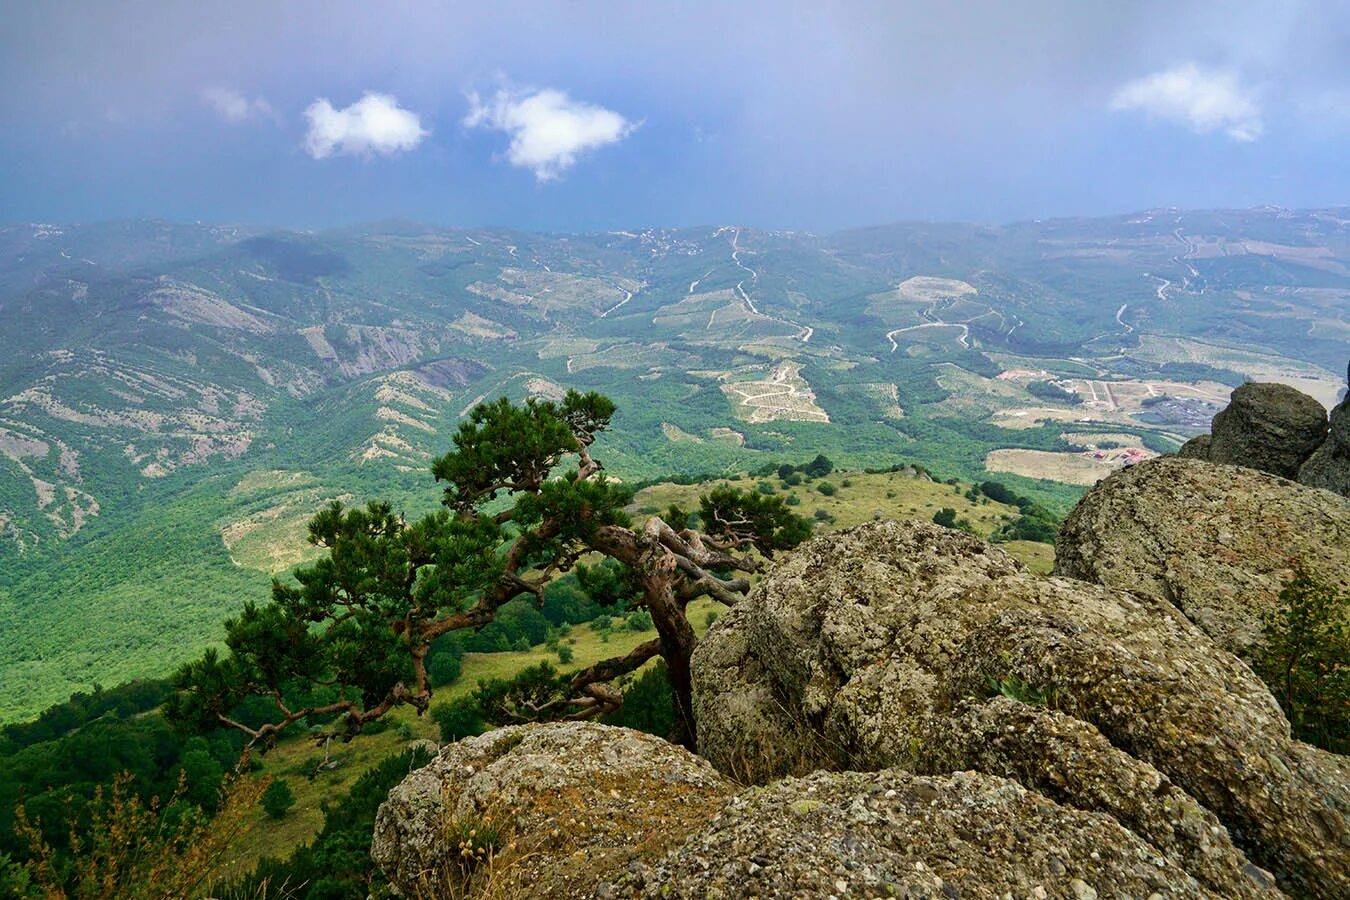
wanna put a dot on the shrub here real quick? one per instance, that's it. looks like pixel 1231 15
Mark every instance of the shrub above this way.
pixel 827 489
pixel 1306 660
pixel 564 653
pixel 794 500
pixel 278 798
pixel 766 487
pixel 946 517
pixel 460 718
pixel 639 620
pixel 443 667
pixel 647 704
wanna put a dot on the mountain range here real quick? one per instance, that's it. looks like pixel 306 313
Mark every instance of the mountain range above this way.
pixel 177 399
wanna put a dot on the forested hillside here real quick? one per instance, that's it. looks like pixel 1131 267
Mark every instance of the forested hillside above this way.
pixel 177 400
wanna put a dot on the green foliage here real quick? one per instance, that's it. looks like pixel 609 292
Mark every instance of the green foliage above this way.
pixel 278 798
pixel 826 488
pixel 564 654
pixel 1021 690
pixel 524 697
pixel 445 659
pixel 459 718
pixel 946 517
pixel 647 703
pixel 1306 660
pixel 736 518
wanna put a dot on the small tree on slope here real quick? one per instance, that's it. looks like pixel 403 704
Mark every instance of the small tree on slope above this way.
pixel 348 641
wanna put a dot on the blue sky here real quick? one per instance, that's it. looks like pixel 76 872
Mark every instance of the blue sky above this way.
pixel 587 115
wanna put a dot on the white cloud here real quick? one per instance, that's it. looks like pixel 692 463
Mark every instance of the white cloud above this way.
pixel 1205 100
pixel 373 124
pixel 548 129
pixel 232 106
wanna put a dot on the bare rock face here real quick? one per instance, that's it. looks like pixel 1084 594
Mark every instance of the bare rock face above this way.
pixel 1329 466
pixel 1218 542
pixel 1270 427
pixel 554 810
pixel 895 834
pixel 881 646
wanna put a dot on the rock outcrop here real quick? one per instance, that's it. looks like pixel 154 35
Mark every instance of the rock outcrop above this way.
pixel 1270 427
pixel 542 811
pixel 879 646
pixel 1329 466
pixel 895 834
pixel 1216 542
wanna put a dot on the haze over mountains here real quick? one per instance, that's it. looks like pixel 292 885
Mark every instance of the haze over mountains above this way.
pixel 201 389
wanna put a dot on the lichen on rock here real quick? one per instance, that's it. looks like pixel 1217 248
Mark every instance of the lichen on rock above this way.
pixel 555 809
pixel 866 647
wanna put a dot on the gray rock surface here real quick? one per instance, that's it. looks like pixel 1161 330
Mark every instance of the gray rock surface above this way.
pixel 569 804
pixel 1218 542
pixel 895 834
pixel 1329 466
pixel 1270 427
pixel 861 649
pixel 1196 448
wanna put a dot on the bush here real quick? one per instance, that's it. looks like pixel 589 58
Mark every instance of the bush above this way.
pixel 460 718
pixel 639 620
pixel 710 618
pixel 278 798
pixel 766 487
pixel 564 653
pixel 823 515
pixel 818 467
pixel 444 665
pixel 827 489
pixel 794 500
pixel 946 517
pixel 1306 660
pixel 647 703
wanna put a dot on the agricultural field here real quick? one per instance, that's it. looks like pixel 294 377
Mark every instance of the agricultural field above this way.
pixel 783 395
pixel 1085 468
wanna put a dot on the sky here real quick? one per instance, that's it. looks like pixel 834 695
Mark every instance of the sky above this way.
pixel 576 115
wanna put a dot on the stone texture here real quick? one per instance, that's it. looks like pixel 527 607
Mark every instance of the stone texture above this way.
pixel 861 649
pixel 1329 466
pixel 895 834
pixel 1270 427
pixel 574 803
pixel 1218 542
pixel 1196 448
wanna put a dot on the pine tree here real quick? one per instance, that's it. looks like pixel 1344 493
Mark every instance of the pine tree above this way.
pixel 524 501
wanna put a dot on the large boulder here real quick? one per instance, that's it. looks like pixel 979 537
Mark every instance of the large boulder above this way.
pixel 1217 542
pixel 895 834
pixel 872 647
pixel 1270 427
pixel 1329 466
pixel 541 811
